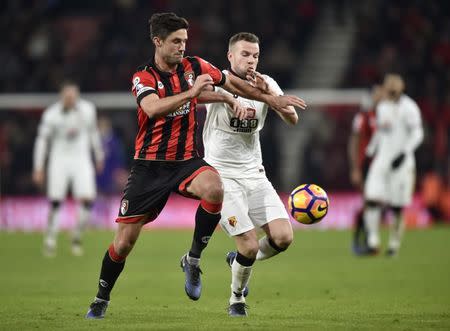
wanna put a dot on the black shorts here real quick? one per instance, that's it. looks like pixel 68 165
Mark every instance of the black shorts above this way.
pixel 150 184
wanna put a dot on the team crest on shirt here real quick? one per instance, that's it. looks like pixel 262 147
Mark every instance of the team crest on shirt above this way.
pixel 124 206
pixel 190 78
pixel 232 221
pixel 160 85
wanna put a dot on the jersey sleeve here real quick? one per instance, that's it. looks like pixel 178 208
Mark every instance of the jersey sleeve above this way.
pixel 143 84
pixel 414 124
pixel 45 132
pixel 95 134
pixel 413 119
pixel 208 68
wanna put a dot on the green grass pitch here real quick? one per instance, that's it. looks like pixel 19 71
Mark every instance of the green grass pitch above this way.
pixel 317 284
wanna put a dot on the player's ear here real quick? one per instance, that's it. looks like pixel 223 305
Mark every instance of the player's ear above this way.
pixel 229 55
pixel 157 41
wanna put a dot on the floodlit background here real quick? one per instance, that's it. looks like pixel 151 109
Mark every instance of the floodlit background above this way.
pixel 328 52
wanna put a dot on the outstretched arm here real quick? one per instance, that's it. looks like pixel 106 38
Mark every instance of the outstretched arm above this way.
pixel 96 142
pixel 242 88
pixel 45 132
pixel 214 97
pixel 154 106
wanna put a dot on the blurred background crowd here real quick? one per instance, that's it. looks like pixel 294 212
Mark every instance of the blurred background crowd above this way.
pixel 100 43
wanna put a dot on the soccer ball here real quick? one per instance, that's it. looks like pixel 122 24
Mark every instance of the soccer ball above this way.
pixel 308 203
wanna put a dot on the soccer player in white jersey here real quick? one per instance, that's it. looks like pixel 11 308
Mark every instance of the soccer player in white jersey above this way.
pixel 391 176
pixel 68 131
pixel 232 146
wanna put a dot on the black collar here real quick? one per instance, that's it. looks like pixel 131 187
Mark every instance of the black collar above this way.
pixel 235 74
pixel 160 72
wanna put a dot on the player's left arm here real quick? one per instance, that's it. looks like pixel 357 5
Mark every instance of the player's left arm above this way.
pixel 216 97
pixel 95 140
pixel 289 115
pixel 280 103
pixel 415 130
pixel 414 124
pixel 237 86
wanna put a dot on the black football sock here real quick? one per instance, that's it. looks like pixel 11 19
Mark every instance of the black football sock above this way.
pixel 205 224
pixel 112 266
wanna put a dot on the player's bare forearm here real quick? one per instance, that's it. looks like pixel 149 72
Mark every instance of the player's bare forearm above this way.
pixel 211 97
pixel 214 97
pixel 289 116
pixel 240 87
pixel 156 107
pixel 280 103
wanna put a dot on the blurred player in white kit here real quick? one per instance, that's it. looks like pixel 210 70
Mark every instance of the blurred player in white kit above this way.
pixel 68 132
pixel 232 146
pixel 391 177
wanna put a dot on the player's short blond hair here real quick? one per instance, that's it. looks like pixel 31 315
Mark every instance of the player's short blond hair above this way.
pixel 246 36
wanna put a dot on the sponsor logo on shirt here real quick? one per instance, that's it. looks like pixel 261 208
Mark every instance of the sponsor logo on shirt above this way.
pixel 182 110
pixel 190 78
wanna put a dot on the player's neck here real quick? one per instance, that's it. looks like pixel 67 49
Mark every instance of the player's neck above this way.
pixel 163 65
pixel 236 74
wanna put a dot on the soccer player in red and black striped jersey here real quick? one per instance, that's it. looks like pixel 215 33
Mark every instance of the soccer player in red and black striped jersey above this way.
pixel 363 127
pixel 166 158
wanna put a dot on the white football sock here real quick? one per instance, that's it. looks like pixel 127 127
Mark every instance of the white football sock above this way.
pixel 52 227
pixel 265 250
pixel 372 222
pixel 240 276
pixel 82 219
pixel 396 232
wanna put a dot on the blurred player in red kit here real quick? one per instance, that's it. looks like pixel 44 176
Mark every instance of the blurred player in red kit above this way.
pixel 363 127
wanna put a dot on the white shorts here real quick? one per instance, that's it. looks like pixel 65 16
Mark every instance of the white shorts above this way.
pixel 249 203
pixel 79 175
pixel 393 187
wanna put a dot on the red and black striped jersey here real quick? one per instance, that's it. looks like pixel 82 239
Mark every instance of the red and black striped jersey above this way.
pixel 172 137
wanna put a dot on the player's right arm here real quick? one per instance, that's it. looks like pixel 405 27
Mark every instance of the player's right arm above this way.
pixel 45 131
pixel 145 87
pixel 268 84
pixel 215 97
pixel 235 85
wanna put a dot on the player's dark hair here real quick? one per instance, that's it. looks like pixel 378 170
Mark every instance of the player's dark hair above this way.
pixel 163 24
pixel 68 83
pixel 246 36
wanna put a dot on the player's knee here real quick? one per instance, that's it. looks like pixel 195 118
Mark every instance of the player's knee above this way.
pixel 397 210
pixel 87 204
pixel 283 240
pixel 55 204
pixel 213 192
pixel 124 246
pixel 372 204
pixel 249 250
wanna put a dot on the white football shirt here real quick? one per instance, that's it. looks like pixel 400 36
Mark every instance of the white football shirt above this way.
pixel 399 129
pixel 69 134
pixel 232 146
